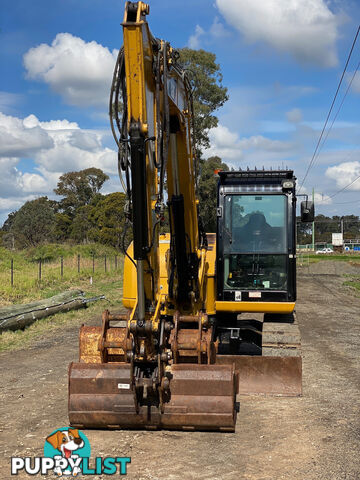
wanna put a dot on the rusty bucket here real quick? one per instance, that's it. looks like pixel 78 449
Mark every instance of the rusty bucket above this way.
pixel 262 375
pixel 202 397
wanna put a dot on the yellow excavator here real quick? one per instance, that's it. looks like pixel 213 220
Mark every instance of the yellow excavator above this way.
pixel 208 315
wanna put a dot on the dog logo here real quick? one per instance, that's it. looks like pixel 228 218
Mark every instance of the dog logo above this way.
pixel 67 452
pixel 67 446
pixel 66 441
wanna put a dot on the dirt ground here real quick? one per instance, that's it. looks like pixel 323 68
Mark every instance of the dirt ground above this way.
pixel 313 437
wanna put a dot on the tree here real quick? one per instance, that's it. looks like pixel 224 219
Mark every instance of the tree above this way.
pixel 107 219
pixel 303 232
pixel 78 188
pixel 7 238
pixel 81 225
pixel 34 223
pixel 8 222
pixel 207 191
pixel 209 94
pixel 62 226
pixel 325 226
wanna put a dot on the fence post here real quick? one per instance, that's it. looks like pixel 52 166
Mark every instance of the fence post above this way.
pixel 93 260
pixel 12 272
pixel 78 262
pixel 105 263
pixel 39 269
pixel 62 266
pixel 115 262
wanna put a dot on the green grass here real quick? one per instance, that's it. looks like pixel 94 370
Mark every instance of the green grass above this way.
pixel 109 286
pixel 28 287
pixel 353 282
pixel 313 258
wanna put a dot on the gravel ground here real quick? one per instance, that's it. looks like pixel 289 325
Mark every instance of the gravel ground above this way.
pixel 313 437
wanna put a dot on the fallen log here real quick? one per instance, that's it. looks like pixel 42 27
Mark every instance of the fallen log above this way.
pixel 16 317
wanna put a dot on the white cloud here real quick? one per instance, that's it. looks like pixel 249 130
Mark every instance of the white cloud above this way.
pixel 15 186
pixel 307 29
pixel 51 149
pixel 344 174
pixel 215 32
pixel 11 204
pixel 322 199
pixel 32 182
pixel 81 72
pixel 85 140
pixel 57 145
pixel 217 29
pixel 32 121
pixel 294 115
pixel 259 142
pixel 256 148
pixel 9 179
pixel 19 138
pixel 194 40
pixel 76 149
pixel 224 143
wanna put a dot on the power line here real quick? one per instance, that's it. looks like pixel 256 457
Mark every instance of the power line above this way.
pixel 338 110
pixel 346 203
pixel 341 190
pixel 331 107
pixel 344 188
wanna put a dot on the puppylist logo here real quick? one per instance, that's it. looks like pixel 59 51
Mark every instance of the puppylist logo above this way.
pixel 67 452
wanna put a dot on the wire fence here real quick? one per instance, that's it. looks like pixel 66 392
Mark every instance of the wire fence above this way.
pixel 63 268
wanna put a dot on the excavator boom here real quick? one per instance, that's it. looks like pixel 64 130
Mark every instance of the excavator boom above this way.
pixel 155 366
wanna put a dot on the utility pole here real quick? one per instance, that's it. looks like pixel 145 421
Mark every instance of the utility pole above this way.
pixel 313 223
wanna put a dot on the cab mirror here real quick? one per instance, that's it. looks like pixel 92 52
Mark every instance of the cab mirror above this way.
pixel 307 211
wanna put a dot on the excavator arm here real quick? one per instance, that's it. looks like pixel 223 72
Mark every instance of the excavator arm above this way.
pixel 155 366
pixel 159 115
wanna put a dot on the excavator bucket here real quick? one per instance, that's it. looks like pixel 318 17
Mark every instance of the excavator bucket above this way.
pixel 202 397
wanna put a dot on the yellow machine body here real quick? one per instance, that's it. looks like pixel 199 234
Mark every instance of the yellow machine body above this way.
pixel 158 365
pixel 211 305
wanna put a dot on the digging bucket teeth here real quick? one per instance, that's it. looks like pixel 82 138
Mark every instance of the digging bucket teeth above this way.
pixel 201 397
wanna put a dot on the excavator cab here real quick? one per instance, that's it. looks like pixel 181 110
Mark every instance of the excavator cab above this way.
pixel 255 323
pixel 256 249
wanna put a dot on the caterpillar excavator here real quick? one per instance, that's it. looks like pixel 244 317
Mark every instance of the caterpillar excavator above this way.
pixel 208 315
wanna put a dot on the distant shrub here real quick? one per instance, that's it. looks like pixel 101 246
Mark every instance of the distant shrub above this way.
pixel 47 252
pixel 52 251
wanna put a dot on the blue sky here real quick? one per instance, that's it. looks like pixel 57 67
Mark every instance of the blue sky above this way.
pixel 281 62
